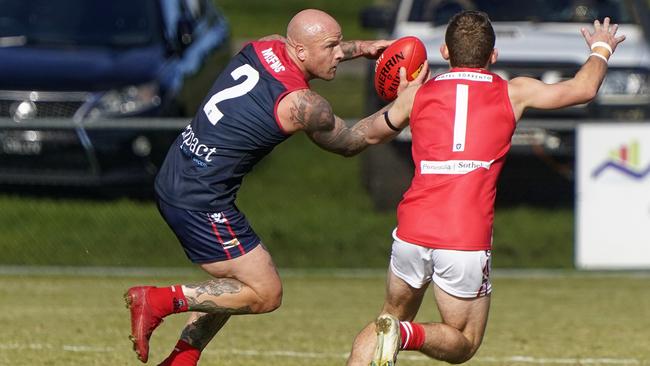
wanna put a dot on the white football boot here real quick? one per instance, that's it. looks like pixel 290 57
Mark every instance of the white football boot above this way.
pixel 388 340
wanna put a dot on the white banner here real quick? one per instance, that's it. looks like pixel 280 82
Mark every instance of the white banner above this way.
pixel 613 196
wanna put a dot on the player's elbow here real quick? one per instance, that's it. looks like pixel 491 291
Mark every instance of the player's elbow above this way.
pixel 367 141
pixel 374 140
pixel 577 96
pixel 589 93
pixel 352 151
pixel 377 136
pixel 584 92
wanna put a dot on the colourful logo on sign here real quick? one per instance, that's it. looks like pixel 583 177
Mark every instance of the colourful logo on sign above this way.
pixel 625 160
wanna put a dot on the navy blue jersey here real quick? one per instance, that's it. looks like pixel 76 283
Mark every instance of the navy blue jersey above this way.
pixel 235 127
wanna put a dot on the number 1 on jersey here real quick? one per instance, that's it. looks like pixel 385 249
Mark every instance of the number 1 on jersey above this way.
pixel 460 117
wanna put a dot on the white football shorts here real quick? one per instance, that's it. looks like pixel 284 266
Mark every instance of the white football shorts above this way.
pixel 457 272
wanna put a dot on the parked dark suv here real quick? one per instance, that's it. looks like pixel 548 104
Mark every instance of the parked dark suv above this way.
pixel 72 70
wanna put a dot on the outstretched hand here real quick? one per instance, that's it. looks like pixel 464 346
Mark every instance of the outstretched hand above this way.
pixel 604 32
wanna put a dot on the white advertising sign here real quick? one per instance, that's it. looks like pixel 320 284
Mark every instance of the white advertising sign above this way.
pixel 613 196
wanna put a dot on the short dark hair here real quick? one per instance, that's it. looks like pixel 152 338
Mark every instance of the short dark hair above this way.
pixel 470 39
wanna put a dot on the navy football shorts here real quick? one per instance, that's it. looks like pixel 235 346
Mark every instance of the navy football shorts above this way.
pixel 210 236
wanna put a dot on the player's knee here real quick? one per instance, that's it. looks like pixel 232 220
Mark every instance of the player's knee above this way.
pixel 268 301
pixel 461 358
pixel 272 303
pixel 465 353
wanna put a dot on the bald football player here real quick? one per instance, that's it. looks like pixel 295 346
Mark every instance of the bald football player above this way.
pixel 259 100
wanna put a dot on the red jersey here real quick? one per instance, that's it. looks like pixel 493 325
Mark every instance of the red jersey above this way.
pixel 462 123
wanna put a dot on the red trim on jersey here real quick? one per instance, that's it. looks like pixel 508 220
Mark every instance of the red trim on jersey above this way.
pixel 234 237
pixel 279 65
pixel 275 110
pixel 482 291
pixel 216 233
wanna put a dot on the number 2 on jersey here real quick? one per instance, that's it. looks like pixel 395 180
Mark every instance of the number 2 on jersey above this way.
pixel 460 117
pixel 252 77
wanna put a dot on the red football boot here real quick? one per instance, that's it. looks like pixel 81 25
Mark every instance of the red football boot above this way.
pixel 143 320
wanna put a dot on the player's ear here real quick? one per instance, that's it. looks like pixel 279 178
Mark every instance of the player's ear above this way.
pixel 301 52
pixel 444 51
pixel 494 56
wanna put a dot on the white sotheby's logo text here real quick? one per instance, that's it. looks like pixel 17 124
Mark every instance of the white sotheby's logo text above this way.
pixel 453 166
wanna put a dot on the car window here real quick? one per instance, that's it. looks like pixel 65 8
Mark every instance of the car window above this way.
pixel 171 11
pixel 194 8
pixel 199 11
pixel 118 23
pixel 440 11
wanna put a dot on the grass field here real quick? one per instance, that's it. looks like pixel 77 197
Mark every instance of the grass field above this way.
pixel 308 206
pixel 556 318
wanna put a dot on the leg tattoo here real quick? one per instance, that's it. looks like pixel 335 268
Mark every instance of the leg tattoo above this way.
pixel 203 328
pixel 202 298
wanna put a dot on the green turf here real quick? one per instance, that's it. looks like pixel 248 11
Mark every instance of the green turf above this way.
pixel 566 320
pixel 262 17
pixel 345 93
pixel 307 205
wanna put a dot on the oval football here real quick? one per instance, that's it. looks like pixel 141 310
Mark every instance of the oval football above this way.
pixel 408 52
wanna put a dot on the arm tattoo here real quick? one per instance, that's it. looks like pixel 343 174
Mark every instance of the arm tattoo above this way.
pixel 350 49
pixel 315 116
pixel 214 288
pixel 312 112
pixel 344 140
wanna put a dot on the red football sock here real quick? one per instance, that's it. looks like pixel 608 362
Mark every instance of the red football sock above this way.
pixel 167 300
pixel 412 335
pixel 183 355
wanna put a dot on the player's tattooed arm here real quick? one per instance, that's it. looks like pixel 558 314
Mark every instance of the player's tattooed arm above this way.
pixel 313 114
pixel 203 297
pixel 350 49
pixel 369 49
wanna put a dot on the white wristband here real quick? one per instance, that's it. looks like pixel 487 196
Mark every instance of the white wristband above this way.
pixel 603 45
pixel 598 55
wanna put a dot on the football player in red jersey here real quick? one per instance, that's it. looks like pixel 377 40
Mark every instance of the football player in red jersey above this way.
pixel 259 100
pixel 461 122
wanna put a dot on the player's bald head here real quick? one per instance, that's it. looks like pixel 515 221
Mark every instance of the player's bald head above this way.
pixel 314 43
pixel 309 24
